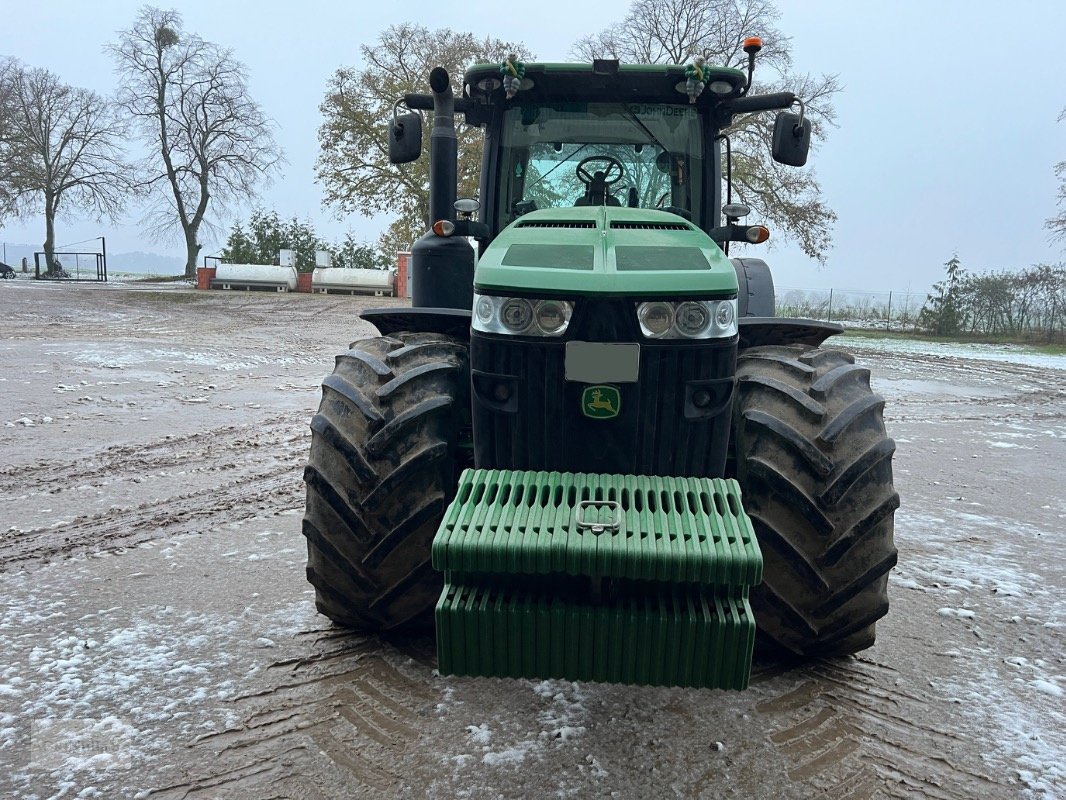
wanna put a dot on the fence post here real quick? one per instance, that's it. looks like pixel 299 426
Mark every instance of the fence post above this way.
pixel 829 315
pixel 888 320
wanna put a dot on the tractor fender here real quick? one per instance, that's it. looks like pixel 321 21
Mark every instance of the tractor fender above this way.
pixel 755 296
pixel 447 321
pixel 762 331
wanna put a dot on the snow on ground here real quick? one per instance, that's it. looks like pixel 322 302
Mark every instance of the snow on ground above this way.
pixel 1002 353
pixel 90 697
pixel 988 579
pixel 559 720
pixel 117 355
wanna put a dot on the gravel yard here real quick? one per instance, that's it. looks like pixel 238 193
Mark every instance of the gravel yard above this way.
pixel 158 638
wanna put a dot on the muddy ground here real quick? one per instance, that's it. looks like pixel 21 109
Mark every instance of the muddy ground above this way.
pixel 158 638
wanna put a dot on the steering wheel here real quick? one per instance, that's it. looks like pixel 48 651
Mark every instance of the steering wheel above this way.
pixel 587 177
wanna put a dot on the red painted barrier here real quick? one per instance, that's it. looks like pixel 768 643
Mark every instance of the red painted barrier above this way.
pixel 204 276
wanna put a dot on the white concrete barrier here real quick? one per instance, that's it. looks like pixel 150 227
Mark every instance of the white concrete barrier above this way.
pixel 364 281
pixel 254 276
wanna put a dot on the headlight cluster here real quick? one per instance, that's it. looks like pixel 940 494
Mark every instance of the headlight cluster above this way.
pixel 692 319
pixel 521 316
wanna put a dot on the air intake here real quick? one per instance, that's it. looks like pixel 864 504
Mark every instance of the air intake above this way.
pixel 556 223
pixel 651 226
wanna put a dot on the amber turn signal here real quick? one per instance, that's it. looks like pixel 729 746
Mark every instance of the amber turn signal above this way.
pixel 757 234
pixel 444 227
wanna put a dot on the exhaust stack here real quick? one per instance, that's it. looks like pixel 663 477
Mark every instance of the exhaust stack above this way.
pixel 443 148
pixel 442 267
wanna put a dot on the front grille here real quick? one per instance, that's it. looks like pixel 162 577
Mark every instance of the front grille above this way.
pixel 546 429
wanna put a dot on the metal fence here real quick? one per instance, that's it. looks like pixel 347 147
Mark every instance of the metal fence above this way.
pixel 854 308
pixel 72 266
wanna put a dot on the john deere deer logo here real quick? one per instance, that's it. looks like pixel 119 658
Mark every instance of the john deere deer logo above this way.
pixel 601 402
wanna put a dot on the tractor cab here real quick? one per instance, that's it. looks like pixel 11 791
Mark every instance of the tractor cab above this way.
pixel 562 136
pixel 638 136
pixel 600 134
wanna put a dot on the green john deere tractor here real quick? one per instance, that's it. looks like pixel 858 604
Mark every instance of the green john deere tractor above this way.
pixel 596 454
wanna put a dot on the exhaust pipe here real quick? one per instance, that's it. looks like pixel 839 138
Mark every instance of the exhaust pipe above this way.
pixel 443 149
pixel 442 267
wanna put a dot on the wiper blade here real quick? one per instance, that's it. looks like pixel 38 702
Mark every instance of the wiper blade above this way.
pixel 549 172
pixel 631 115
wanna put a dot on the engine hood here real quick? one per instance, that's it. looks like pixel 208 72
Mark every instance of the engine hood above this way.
pixel 605 250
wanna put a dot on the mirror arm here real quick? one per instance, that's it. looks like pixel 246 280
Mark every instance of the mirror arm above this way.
pixel 760 102
pixel 424 102
pixel 469 227
pixel 731 232
pixel 798 127
pixel 396 108
pixel 418 102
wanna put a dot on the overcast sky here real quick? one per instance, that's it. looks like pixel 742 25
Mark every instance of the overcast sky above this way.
pixel 947 134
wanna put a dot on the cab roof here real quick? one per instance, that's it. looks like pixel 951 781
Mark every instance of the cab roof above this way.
pixel 603 80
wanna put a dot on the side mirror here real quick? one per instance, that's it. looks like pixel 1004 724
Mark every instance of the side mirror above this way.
pixel 792 139
pixel 405 138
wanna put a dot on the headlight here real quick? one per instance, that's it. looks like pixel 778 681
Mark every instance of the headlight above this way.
pixel 520 316
pixel 516 313
pixel 552 316
pixel 692 319
pixel 726 315
pixel 484 310
pixel 655 319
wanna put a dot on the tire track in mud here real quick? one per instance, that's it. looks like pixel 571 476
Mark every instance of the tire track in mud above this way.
pixel 1029 386
pixel 851 730
pixel 336 721
pixel 191 450
pixel 280 488
pixel 264 475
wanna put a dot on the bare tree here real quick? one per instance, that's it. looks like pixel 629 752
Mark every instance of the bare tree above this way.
pixel 1057 223
pixel 8 160
pixel 353 165
pixel 60 149
pixel 212 145
pixel 673 31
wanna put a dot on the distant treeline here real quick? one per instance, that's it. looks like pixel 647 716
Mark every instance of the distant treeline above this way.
pixel 896 311
pixel 1027 304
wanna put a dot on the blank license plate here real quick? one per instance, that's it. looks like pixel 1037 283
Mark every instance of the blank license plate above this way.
pixel 596 362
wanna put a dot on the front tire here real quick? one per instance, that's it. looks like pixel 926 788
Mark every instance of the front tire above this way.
pixel 382 469
pixel 815 466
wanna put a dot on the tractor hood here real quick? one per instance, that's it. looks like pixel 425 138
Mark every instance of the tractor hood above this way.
pixel 605 250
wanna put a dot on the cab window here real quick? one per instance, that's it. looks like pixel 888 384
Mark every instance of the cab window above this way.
pixel 572 154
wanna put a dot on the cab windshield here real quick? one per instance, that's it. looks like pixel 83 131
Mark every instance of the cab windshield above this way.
pixel 641 155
